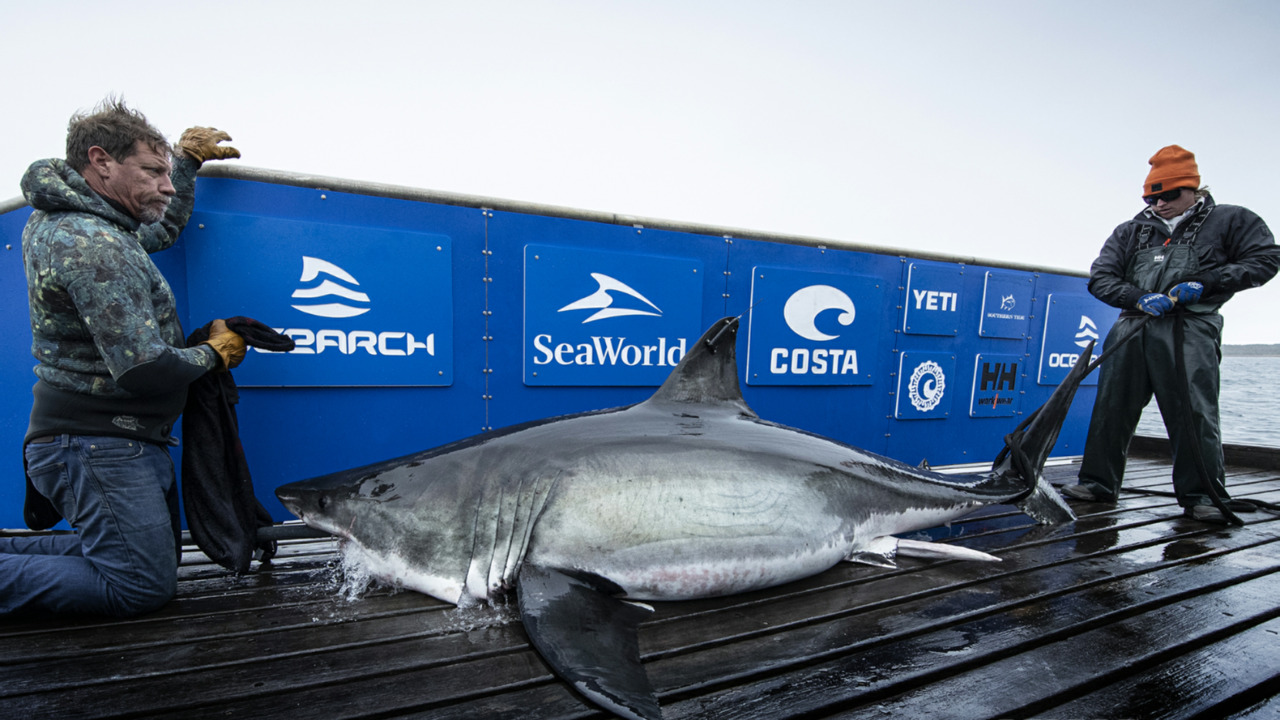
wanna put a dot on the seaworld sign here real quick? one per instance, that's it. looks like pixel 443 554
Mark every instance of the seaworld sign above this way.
pixel 600 318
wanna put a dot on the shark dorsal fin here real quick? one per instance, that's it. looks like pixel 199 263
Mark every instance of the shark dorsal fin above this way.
pixel 708 373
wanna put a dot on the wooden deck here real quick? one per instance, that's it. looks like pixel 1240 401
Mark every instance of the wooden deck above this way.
pixel 1131 612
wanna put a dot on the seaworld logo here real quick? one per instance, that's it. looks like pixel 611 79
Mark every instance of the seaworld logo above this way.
pixel 602 350
pixel 308 341
pixel 801 312
pixel 602 300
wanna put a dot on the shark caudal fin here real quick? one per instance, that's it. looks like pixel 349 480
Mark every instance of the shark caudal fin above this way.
pixel 1027 448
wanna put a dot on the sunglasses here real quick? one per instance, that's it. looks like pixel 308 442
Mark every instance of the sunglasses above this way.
pixel 1167 196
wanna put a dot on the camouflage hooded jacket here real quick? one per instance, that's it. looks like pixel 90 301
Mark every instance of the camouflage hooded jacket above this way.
pixel 104 325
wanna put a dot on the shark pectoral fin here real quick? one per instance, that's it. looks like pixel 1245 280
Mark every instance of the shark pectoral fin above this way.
pixel 879 552
pixel 588 637
pixel 941 551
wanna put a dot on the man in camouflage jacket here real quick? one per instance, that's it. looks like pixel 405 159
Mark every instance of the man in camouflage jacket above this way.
pixel 113 367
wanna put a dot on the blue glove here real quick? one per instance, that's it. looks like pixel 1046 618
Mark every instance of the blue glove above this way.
pixel 1187 292
pixel 1155 304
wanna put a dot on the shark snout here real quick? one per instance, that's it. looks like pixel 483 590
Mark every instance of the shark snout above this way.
pixel 319 505
pixel 296 499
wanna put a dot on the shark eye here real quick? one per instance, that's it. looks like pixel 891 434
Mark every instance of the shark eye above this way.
pixel 323 502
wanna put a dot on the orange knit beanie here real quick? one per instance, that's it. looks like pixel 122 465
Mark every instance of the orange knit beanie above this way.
pixel 1172 167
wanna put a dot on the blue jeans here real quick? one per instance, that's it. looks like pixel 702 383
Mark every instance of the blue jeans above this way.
pixel 121 497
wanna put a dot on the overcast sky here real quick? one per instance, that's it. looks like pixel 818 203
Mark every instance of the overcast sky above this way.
pixel 1012 130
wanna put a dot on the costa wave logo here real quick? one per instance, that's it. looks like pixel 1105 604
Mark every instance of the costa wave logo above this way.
pixel 806 304
pixel 602 300
pixel 309 341
pixel 801 312
pixel 927 385
pixel 313 268
pixel 1087 333
pixel 606 350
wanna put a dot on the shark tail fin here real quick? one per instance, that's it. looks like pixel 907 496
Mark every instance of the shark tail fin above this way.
pixel 1027 448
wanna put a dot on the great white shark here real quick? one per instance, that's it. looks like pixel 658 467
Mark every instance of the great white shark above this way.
pixel 689 494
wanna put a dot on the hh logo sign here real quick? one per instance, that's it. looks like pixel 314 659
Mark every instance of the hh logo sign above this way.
pixel 809 328
pixel 366 306
pixel 997 385
pixel 602 318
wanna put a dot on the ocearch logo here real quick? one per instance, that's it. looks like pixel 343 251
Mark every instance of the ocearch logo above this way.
pixel 801 312
pixel 313 268
pixel 389 343
pixel 1087 333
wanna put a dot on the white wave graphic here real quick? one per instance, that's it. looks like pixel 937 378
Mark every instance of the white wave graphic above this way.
pixel 802 309
pixel 1087 333
pixel 329 287
pixel 602 301
pixel 313 268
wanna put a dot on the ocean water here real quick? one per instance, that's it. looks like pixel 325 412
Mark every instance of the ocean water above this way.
pixel 1249 406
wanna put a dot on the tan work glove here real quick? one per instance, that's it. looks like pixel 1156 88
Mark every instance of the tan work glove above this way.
pixel 229 346
pixel 201 143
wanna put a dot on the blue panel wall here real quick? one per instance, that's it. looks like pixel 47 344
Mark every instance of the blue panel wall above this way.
pixel 16 377
pixel 516 285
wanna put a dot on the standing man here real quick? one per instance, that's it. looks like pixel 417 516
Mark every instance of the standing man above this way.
pixel 113 366
pixel 1174 264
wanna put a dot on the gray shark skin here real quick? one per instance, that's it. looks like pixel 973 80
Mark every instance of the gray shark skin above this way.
pixel 686 495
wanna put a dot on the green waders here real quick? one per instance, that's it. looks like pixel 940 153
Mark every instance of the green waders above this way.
pixel 1148 365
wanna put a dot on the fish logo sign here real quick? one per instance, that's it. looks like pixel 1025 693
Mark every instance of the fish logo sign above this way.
pixel 602 300
pixel 1007 302
pixel 313 268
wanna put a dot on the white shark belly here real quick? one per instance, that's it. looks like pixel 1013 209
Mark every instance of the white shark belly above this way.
pixel 691 538
pixel 713 571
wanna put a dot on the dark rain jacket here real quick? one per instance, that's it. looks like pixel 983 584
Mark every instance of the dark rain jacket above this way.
pixel 1235 249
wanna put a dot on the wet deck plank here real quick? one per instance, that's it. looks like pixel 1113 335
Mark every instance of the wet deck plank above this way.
pixel 1132 611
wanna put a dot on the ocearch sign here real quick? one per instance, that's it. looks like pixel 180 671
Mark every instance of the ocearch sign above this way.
pixel 365 306
pixel 1071 322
